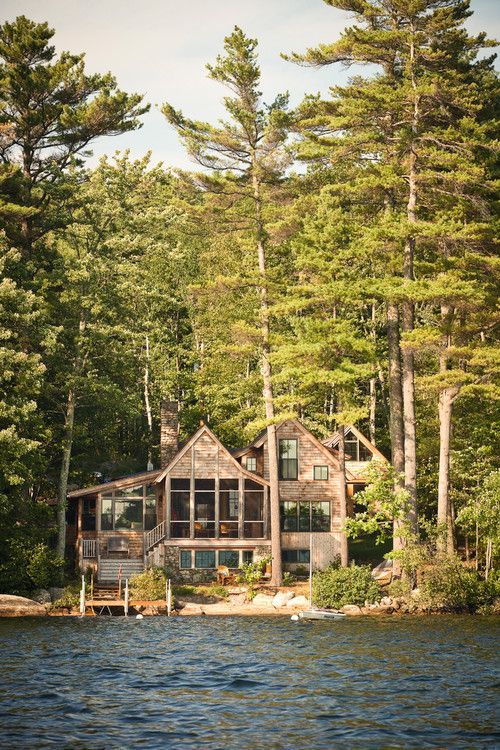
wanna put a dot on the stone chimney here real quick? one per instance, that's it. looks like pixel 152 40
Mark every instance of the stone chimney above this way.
pixel 169 431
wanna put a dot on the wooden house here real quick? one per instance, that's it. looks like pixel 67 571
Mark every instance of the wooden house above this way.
pixel 208 506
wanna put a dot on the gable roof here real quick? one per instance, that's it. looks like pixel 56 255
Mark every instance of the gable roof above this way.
pixel 333 440
pixel 130 479
pixel 192 440
pixel 261 438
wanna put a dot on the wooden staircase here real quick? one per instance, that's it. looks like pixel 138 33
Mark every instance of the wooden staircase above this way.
pixel 109 569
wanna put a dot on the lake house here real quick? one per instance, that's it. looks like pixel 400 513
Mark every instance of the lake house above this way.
pixel 208 506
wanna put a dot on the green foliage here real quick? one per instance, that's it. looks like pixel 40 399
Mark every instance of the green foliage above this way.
pixel 70 598
pixel 447 585
pixel 251 573
pixel 288 578
pixel 148 585
pixel 334 587
pixel 28 566
pixel 206 592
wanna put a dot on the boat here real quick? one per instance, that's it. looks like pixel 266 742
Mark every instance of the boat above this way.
pixel 320 614
pixel 314 613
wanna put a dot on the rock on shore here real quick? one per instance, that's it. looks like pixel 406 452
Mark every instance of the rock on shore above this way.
pixel 19 606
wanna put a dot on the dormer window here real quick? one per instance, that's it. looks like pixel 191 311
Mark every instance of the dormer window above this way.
pixel 355 450
pixel 288 459
pixel 251 463
pixel 320 472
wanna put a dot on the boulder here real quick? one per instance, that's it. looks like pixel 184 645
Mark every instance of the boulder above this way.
pixel 190 608
pixel 386 601
pixel 282 597
pixel 262 600
pixel 301 602
pixel 382 573
pixel 19 606
pixel 42 596
pixel 351 610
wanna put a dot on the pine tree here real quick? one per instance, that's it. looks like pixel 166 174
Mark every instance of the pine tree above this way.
pixel 245 160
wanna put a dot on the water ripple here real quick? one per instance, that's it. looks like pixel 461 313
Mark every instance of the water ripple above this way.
pixel 249 683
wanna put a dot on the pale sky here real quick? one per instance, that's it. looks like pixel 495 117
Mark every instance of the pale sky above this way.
pixel 160 47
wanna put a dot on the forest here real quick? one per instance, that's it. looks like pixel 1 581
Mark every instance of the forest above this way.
pixel 334 261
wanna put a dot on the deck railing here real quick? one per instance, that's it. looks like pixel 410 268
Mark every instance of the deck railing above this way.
pixel 154 536
pixel 89 548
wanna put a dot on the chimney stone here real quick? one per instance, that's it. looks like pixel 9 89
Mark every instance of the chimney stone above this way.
pixel 169 432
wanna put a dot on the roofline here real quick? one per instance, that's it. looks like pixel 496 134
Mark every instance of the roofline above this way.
pixel 192 440
pixel 122 482
pixel 366 442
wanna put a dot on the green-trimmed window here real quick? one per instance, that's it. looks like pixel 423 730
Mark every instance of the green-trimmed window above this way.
pixel 204 558
pixel 288 466
pixel 320 472
pixel 229 557
pixel 247 556
pixel 186 559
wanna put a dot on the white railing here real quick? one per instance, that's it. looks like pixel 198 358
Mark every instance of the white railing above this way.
pixel 89 548
pixel 154 536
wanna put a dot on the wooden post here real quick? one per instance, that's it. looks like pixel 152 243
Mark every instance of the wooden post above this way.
pixel 125 606
pixel 82 597
pixel 120 581
pixel 169 597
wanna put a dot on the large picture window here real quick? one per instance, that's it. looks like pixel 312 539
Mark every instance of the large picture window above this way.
pixel 229 506
pixel 288 459
pixel 305 516
pixel 129 509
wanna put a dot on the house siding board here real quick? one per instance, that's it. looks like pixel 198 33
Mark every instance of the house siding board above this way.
pixel 135 541
pixel 326 546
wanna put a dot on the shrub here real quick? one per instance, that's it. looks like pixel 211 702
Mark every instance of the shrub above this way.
pixel 28 567
pixel 334 587
pixel 70 597
pixel 206 591
pixel 44 567
pixel 149 585
pixel 288 578
pixel 449 586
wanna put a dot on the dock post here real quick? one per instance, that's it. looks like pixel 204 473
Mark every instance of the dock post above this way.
pixel 125 606
pixel 169 597
pixel 82 597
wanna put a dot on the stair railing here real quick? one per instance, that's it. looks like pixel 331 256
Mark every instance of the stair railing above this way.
pixel 154 536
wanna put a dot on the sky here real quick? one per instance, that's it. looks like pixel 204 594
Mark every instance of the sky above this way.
pixel 159 48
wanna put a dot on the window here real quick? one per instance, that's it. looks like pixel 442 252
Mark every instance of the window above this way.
pixel 180 502
pixel 295 556
pixel 88 514
pixel 123 509
pixel 204 508
pixel 186 559
pixel 229 557
pixel 247 556
pixel 288 463
pixel 251 463
pixel 305 516
pixel 320 472
pixel 355 450
pixel 229 502
pixel 150 508
pixel 204 559
pixel 254 510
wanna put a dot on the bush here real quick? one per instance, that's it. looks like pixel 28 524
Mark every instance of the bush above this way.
pixel 334 587
pixel 449 586
pixel 28 567
pixel 149 585
pixel 70 597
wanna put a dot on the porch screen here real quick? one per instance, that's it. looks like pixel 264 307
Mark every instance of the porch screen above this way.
pixel 229 503
pixel 179 524
pixel 254 510
pixel 204 509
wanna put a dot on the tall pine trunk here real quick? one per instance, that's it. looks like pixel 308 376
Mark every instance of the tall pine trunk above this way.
pixel 344 548
pixel 396 426
pixel 373 382
pixel 408 311
pixel 267 390
pixel 447 397
pixel 67 445
pixel 147 405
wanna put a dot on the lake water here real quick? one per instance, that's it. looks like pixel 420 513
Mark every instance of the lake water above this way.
pixel 249 683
